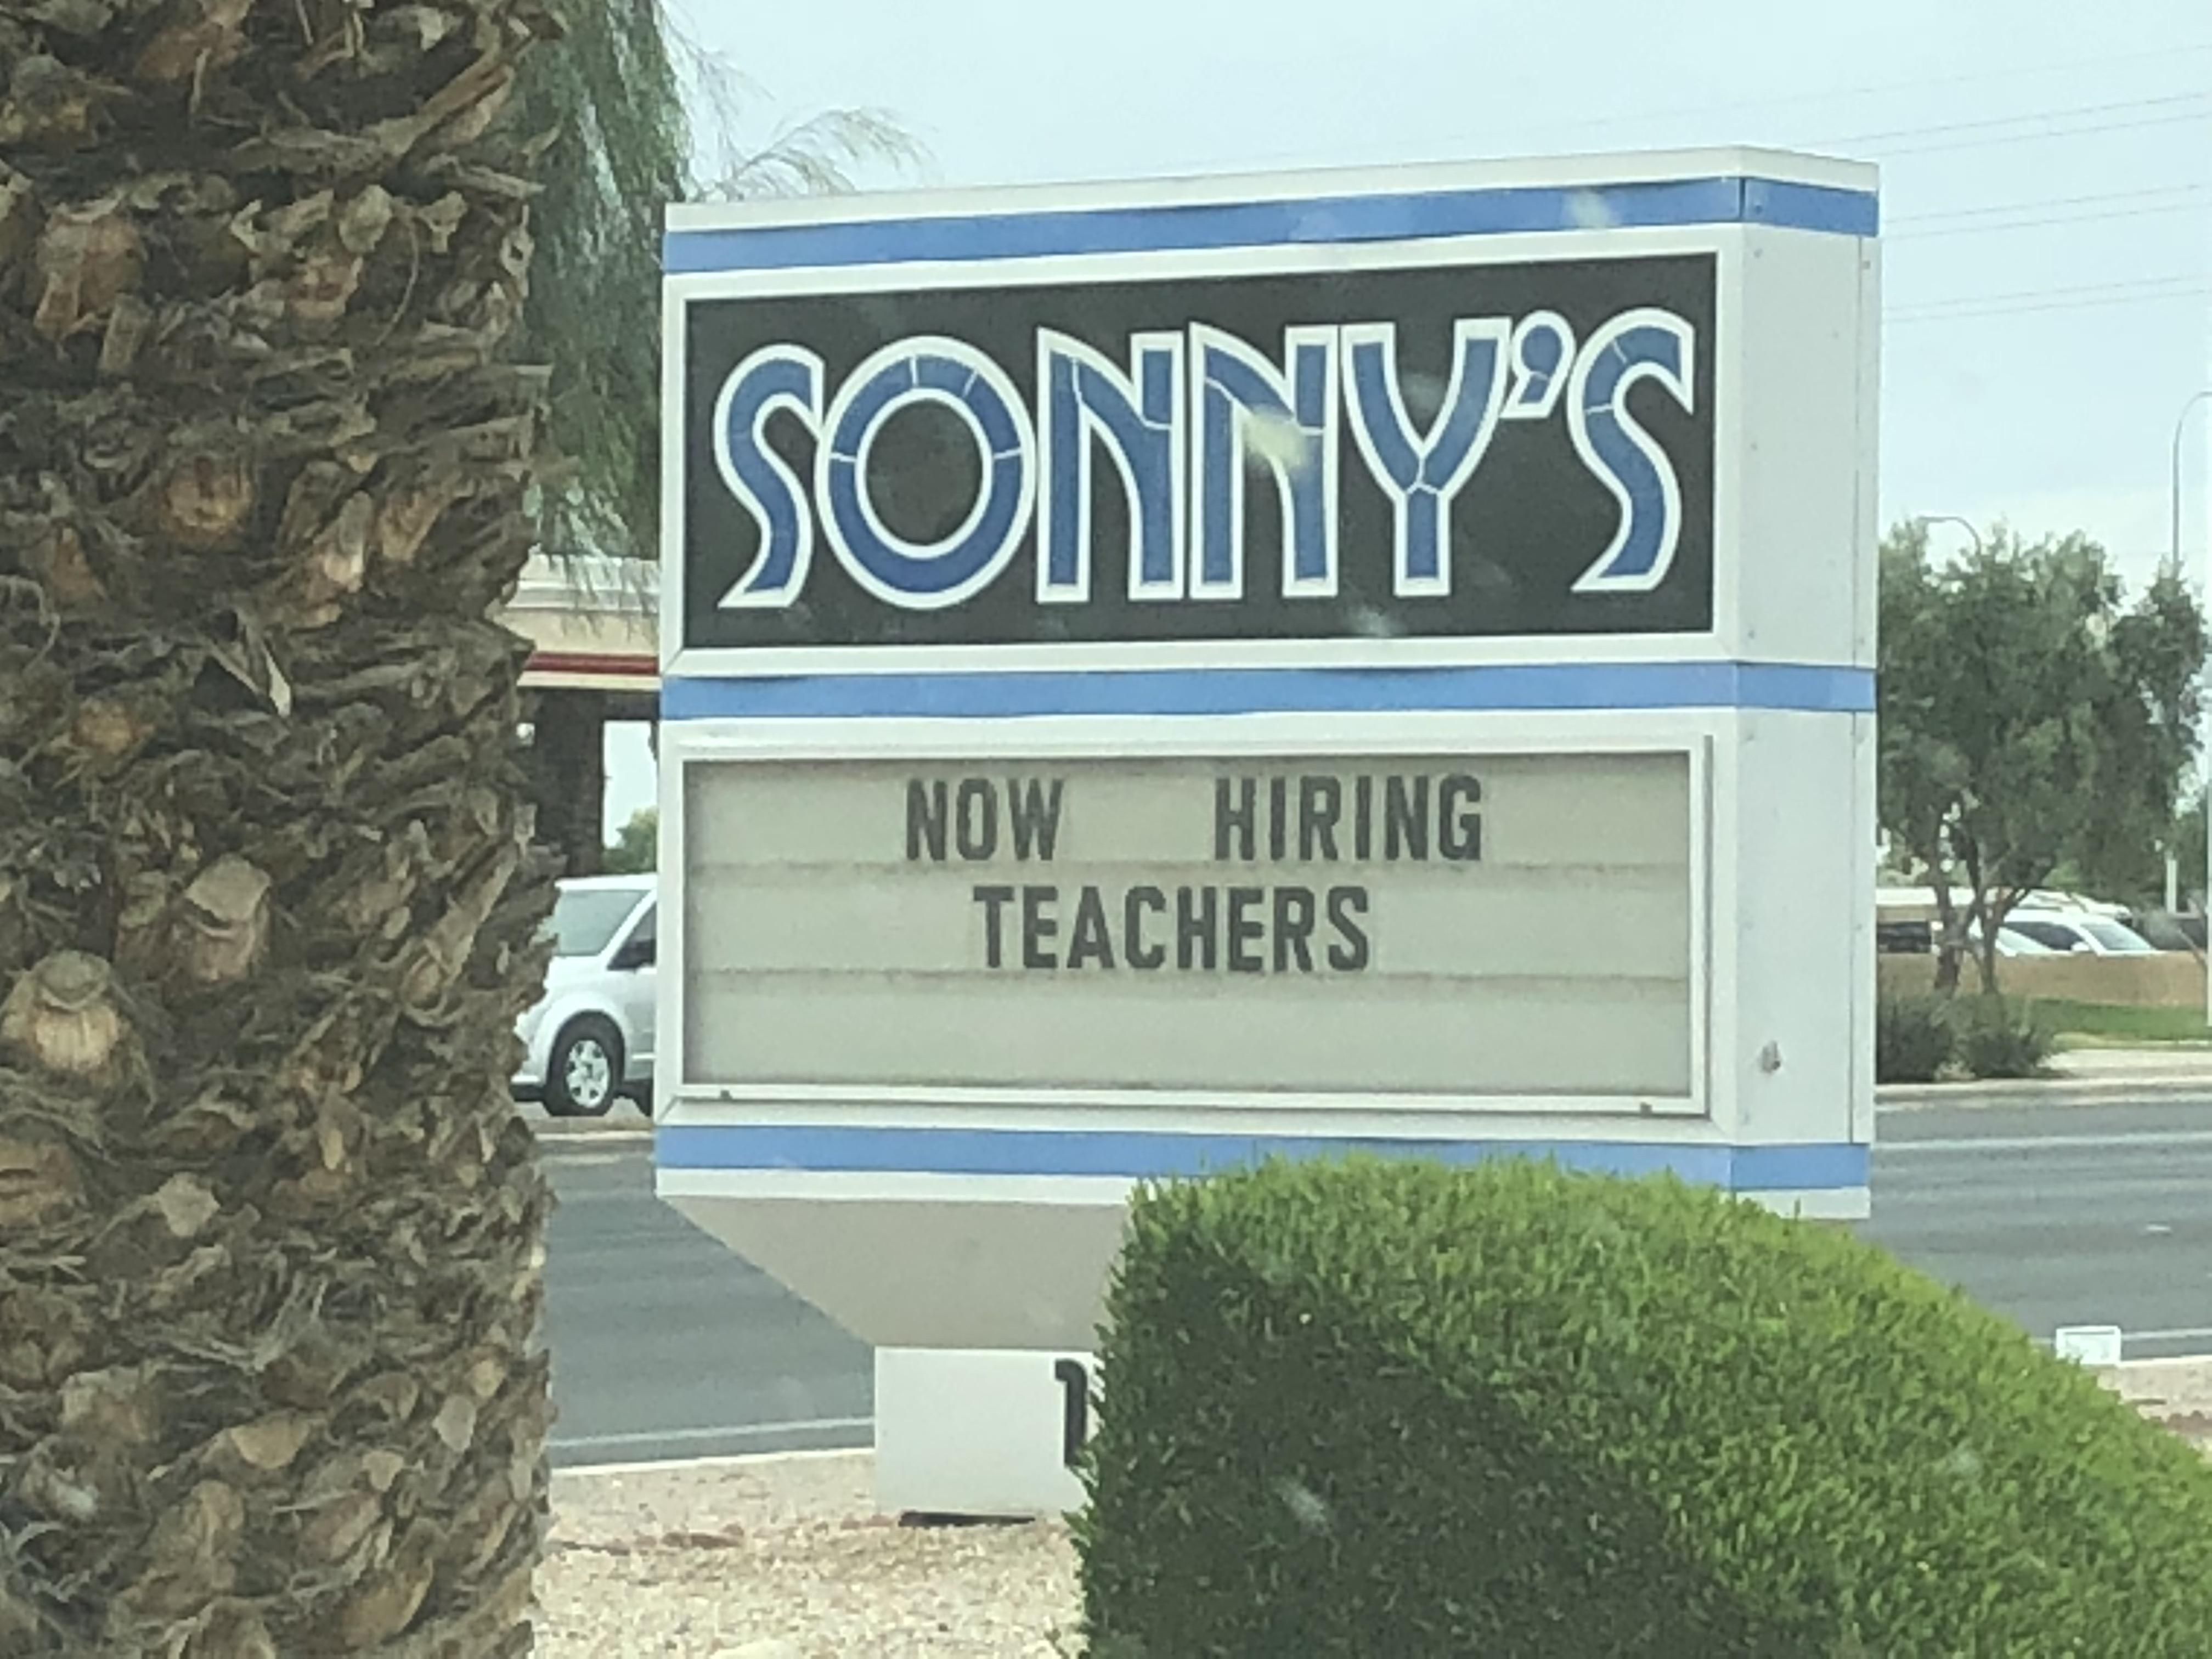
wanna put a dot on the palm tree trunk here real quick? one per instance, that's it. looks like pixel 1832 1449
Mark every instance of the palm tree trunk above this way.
pixel 270 1228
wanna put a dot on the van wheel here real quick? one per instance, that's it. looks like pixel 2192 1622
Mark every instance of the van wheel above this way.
pixel 585 1074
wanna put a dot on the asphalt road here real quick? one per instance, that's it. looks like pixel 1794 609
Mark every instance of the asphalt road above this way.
pixel 2059 1215
pixel 665 1345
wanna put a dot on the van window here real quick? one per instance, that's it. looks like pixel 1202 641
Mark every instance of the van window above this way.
pixel 2114 936
pixel 643 946
pixel 585 918
pixel 2056 934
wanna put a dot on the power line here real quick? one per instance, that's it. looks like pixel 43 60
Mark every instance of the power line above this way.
pixel 2131 285
pixel 2005 312
pixel 2128 105
pixel 2172 118
pixel 2178 108
pixel 2036 204
pixel 2041 223
pixel 1979 77
pixel 1907 317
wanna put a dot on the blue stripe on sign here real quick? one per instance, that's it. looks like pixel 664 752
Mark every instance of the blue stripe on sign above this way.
pixel 1402 216
pixel 1782 205
pixel 1806 1167
pixel 1136 1155
pixel 1532 687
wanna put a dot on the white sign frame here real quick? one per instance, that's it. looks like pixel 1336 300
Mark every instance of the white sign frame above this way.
pixel 688 743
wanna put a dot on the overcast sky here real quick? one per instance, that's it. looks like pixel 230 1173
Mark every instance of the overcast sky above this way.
pixel 2046 173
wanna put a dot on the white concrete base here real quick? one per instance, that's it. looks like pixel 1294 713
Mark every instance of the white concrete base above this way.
pixel 979 1433
pixel 1818 1204
pixel 2097 1346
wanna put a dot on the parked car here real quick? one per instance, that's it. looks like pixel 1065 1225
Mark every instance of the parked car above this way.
pixel 1918 939
pixel 2043 898
pixel 2011 942
pixel 2080 932
pixel 2168 930
pixel 590 1037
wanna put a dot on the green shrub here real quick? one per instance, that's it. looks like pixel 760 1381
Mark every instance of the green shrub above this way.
pixel 1912 1038
pixel 1386 1409
pixel 2000 1038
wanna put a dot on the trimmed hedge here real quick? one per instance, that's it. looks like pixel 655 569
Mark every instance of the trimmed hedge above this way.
pixel 1396 1409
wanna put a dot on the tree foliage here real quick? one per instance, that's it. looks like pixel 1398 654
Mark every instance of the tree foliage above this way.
pixel 2031 716
pixel 636 847
pixel 635 116
pixel 609 108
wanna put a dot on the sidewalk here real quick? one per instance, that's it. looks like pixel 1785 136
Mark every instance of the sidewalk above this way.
pixel 2084 1076
pixel 2167 1063
pixel 625 1122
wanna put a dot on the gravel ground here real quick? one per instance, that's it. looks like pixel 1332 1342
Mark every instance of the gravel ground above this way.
pixel 2176 1393
pixel 787 1559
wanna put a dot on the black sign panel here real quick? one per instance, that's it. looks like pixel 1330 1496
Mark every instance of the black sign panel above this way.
pixel 1465 452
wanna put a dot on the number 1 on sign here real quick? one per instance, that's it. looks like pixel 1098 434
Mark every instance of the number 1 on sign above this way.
pixel 1075 1409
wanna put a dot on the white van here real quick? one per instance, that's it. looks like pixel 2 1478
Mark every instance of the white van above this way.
pixel 590 1037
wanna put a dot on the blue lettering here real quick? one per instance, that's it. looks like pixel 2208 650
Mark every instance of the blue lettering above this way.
pixel 1423 473
pixel 1183 424
pixel 1635 346
pixel 781 377
pixel 1251 411
pixel 1138 418
pixel 917 576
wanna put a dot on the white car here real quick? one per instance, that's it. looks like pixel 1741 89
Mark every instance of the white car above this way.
pixel 2080 932
pixel 590 1037
pixel 2011 942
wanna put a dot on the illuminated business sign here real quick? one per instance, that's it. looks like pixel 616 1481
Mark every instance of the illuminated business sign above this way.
pixel 1428 927
pixel 1451 449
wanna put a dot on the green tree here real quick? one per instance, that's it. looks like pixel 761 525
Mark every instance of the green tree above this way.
pixel 621 141
pixel 631 115
pixel 270 1229
pixel 636 847
pixel 2030 718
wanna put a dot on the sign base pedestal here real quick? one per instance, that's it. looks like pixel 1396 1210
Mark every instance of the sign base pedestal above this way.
pixel 973 1433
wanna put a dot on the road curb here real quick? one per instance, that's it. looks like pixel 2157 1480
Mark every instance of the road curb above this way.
pixel 728 1460
pixel 2049 1092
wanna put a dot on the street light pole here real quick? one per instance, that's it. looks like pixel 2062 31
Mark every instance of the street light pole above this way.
pixel 2180 428
pixel 2180 425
